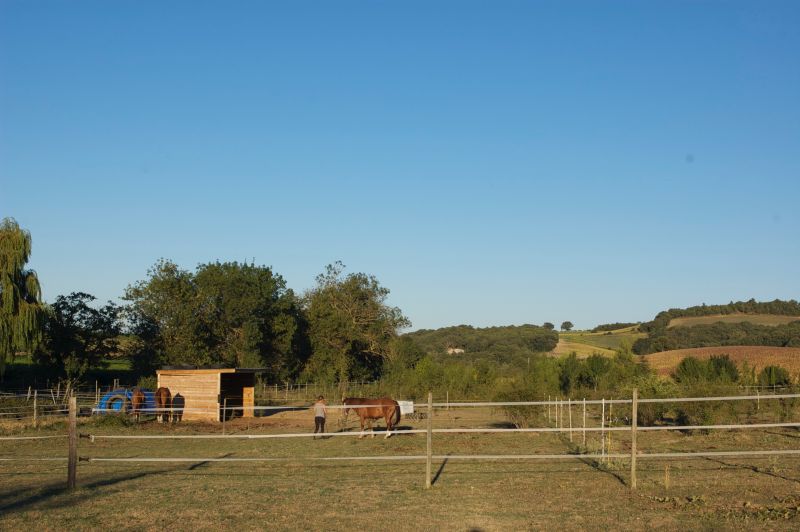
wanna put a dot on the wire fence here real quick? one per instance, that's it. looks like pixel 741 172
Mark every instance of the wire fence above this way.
pixel 556 420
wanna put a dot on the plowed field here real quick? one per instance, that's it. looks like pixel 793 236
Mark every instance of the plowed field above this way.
pixel 755 356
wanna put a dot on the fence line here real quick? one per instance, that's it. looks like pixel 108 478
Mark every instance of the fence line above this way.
pixel 11 438
pixel 633 455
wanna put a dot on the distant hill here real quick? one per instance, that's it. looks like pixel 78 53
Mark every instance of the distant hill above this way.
pixel 758 319
pixel 490 342
pixel 752 307
pixel 665 362
pixel 719 334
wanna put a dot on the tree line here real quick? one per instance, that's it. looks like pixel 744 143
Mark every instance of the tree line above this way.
pixel 777 307
pixel 719 334
pixel 221 314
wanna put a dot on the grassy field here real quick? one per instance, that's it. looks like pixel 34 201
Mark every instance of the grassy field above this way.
pixel 759 319
pixel 587 343
pixel 583 350
pixel 504 494
pixel 756 356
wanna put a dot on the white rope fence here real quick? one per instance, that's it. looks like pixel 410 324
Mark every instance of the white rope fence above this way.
pixel 633 428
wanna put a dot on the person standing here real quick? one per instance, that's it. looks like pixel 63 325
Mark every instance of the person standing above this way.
pixel 320 410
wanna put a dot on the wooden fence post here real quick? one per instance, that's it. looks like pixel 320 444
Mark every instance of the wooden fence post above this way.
pixel 549 418
pixel 429 452
pixel 584 422
pixel 569 408
pixel 634 410
pixel 610 424
pixel 72 459
pixel 224 413
pixel 35 408
pixel 603 427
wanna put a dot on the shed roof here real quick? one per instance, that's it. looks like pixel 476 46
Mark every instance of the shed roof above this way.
pixel 205 371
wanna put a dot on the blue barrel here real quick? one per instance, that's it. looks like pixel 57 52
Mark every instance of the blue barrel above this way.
pixel 120 401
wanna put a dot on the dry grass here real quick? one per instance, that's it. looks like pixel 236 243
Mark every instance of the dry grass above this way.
pixel 759 319
pixel 602 342
pixel 755 356
pixel 583 350
pixel 498 495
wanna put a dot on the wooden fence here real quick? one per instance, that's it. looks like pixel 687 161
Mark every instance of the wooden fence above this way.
pixel 430 408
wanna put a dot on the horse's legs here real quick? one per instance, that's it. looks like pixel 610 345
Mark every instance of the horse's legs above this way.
pixel 372 427
pixel 362 428
pixel 388 427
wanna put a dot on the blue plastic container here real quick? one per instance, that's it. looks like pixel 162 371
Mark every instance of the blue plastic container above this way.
pixel 120 401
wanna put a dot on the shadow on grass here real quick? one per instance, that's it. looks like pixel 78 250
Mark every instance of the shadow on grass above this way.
pixel 203 464
pixel 439 471
pixel 594 464
pixel 59 488
pixel 278 410
pixel 503 425
pixel 48 496
pixel 754 469
pixel 796 435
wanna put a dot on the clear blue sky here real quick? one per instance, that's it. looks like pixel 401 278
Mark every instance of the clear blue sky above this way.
pixel 490 162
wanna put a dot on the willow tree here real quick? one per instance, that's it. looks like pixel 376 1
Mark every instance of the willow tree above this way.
pixel 21 310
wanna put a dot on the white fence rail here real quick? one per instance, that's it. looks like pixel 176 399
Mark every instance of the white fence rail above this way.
pixel 430 408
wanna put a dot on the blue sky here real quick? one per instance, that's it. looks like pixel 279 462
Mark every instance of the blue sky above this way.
pixel 490 162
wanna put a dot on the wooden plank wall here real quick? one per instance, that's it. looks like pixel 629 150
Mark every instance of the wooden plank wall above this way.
pixel 200 392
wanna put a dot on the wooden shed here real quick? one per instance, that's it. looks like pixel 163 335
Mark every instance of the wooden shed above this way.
pixel 201 393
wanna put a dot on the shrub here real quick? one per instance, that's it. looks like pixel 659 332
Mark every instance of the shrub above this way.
pixel 148 383
pixel 774 376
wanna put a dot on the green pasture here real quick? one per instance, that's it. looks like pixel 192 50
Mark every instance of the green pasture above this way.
pixel 604 340
pixel 507 494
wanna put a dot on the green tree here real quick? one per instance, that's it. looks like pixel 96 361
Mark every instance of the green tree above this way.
pixel 21 310
pixel 549 326
pixel 774 376
pixel 351 327
pixel 225 313
pixel 77 335
pixel 567 326
pixel 691 370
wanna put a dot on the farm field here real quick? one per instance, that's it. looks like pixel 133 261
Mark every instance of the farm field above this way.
pixel 758 319
pixel 583 350
pixel 720 494
pixel 755 356
pixel 588 343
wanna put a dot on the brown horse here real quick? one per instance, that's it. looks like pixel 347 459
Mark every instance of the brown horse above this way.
pixel 137 403
pixel 370 409
pixel 163 405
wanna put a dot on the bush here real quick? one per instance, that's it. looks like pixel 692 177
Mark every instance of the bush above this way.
pixel 774 376
pixel 149 382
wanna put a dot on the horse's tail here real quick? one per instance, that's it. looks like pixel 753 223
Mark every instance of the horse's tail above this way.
pixel 396 413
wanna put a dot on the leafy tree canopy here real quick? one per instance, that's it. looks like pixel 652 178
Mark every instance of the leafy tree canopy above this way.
pixel 21 310
pixel 77 335
pixel 228 313
pixel 351 327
